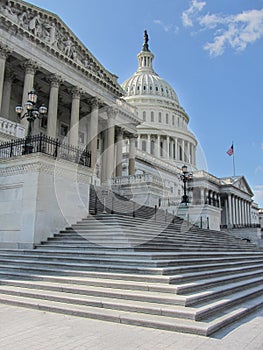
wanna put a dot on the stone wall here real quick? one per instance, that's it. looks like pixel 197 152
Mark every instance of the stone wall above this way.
pixel 39 196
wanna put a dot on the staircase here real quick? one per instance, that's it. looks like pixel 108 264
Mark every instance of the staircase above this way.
pixel 134 265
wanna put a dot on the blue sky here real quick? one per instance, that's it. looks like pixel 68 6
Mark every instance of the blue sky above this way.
pixel 210 51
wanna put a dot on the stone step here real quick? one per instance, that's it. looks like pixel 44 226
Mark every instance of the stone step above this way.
pixel 171 265
pixel 78 307
pixel 152 321
pixel 143 259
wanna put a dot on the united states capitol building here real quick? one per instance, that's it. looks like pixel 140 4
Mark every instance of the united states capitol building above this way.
pixel 132 139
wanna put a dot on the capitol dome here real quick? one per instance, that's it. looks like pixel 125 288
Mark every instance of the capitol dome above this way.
pixel 145 81
pixel 163 132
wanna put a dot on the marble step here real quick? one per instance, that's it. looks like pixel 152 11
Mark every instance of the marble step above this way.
pixel 141 319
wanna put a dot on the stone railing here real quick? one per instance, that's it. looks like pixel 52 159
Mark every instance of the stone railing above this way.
pixel 134 179
pixel 11 128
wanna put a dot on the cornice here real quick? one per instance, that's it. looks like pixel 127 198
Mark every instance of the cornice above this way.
pixel 50 33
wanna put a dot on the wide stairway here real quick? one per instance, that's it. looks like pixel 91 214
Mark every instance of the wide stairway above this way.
pixel 136 265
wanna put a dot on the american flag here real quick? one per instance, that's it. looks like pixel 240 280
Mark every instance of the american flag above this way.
pixel 231 150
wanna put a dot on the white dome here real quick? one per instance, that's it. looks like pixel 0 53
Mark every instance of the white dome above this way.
pixel 145 82
pixel 148 83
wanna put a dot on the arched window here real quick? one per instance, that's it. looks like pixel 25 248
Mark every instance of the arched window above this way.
pixel 173 120
pixel 144 116
pixel 160 117
pixel 167 118
pixel 152 116
pixel 144 145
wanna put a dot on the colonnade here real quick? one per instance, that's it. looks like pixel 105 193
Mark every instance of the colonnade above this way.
pixel 112 155
pixel 167 147
pixel 238 211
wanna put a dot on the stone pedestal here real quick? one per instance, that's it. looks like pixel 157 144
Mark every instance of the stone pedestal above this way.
pixel 39 196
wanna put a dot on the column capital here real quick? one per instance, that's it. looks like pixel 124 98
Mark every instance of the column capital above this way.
pixel 112 112
pixel 76 92
pixel 30 66
pixel 4 51
pixel 55 80
pixel 95 102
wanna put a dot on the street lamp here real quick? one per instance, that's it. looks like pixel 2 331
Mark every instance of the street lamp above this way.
pixel 31 113
pixel 185 177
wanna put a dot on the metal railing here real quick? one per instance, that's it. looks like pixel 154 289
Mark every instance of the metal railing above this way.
pixel 47 145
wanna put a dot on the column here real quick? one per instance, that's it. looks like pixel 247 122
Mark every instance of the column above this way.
pixel 132 156
pixel 7 89
pixel 119 152
pixel 74 117
pixel 230 221
pixel 158 146
pixel 176 148
pixel 4 52
pixel 55 81
pixel 110 143
pixel 167 147
pixel 148 146
pixel 202 195
pixel 139 145
pixel 30 70
pixel 93 130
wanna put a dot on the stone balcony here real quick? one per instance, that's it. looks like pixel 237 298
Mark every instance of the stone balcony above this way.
pixel 10 129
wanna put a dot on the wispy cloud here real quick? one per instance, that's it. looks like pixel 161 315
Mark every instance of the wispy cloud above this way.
pixel 235 31
pixel 189 15
pixel 167 27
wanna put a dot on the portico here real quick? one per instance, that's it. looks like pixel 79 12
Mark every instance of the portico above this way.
pixel 83 99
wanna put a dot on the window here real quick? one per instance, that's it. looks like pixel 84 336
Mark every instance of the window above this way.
pixel 160 117
pixel 63 129
pixel 144 116
pixel 144 145
pixel 43 122
pixel 152 116
pixel 81 137
pixel 167 118
pixel 161 148
pixel 173 120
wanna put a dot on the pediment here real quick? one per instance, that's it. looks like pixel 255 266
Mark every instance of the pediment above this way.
pixel 49 31
pixel 238 182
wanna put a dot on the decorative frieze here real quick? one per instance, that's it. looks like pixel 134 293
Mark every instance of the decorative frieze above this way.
pixel 57 39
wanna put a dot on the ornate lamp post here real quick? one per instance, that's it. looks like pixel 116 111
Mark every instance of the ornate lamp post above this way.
pixel 31 113
pixel 185 177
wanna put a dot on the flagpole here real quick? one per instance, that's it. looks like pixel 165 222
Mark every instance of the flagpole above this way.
pixel 234 166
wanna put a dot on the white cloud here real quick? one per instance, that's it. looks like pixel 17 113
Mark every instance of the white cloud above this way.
pixel 167 27
pixel 236 31
pixel 189 15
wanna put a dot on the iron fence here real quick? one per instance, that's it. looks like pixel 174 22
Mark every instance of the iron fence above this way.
pixel 47 145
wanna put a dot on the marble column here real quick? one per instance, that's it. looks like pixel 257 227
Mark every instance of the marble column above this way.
pixel 119 152
pixel 7 89
pixel 110 143
pixel 158 146
pixel 93 130
pixel 230 220
pixel 74 118
pixel 148 146
pixel 30 70
pixel 167 147
pixel 139 143
pixel 132 156
pixel 4 52
pixel 55 81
